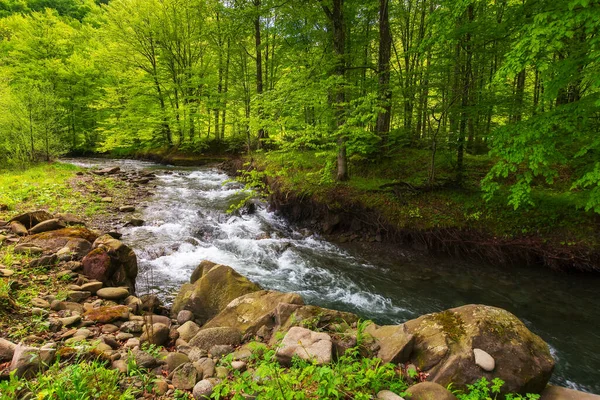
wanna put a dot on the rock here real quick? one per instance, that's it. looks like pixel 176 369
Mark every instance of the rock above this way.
pixel 288 315
pixel 220 350
pixel 133 327
pixel 27 248
pixel 48 225
pixel 184 316
pixel 107 314
pixel 429 391
pixel 132 343
pixel 143 359
pixel 97 265
pixel 135 222
pixel 560 393
pixel 109 328
pixel 41 303
pixel 250 312
pixel 123 266
pixel 210 294
pixel 29 361
pixel 444 342
pixel 5 273
pixel 70 219
pixel 185 377
pixel 394 342
pixel 67 321
pixel 174 360
pixel 44 261
pixel 388 395
pixel 305 344
pixel 203 389
pixel 92 286
pixel 205 367
pixel 160 387
pixel 188 330
pixel 53 241
pixel 153 319
pixel 201 269
pixel 207 338
pixel 111 341
pixel 484 360
pixel 123 336
pixel 196 354
pixel 107 199
pixel 120 365
pixel 127 208
pixel 112 293
pixel 150 303
pixel 31 219
pixel 157 334
pixel 243 353
pixel 78 296
pixel 107 171
pixel 75 248
pixel 7 349
pixel 238 365
pixel 222 372
pixel 39 312
pixel 18 228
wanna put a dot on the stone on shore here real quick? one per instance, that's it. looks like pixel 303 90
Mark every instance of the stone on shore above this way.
pixel 212 292
pixel 429 391
pixel 48 225
pixel 207 338
pixel 394 342
pixel 7 349
pixel 112 293
pixel 306 344
pixel 32 218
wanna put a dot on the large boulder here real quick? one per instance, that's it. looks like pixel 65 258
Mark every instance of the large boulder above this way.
pixel 444 344
pixel 210 293
pixel 31 219
pixel 394 342
pixel 252 311
pixel 207 338
pixel 111 262
pixel 53 241
pixel 312 317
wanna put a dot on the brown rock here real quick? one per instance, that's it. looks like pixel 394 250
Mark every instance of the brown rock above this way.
pixel 107 314
pixel 207 338
pixel 394 342
pixel 429 391
pixel 53 241
pixel 48 225
pixel 31 219
pixel 18 228
pixel 97 265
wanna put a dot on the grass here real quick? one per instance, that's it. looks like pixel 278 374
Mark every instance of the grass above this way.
pixel 556 218
pixel 82 381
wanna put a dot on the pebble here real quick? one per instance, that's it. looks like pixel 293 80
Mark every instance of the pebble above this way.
pixel 109 328
pixel 484 360
pixel 127 208
pixel 123 336
pixel 92 286
pixel 203 389
pixel 112 293
pixel 6 272
pixel 70 320
pixel 40 303
pixel 184 316
pixel 238 365
pixel 132 343
pixel 77 297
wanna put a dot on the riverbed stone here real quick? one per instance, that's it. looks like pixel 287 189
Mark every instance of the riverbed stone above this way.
pixel 185 377
pixel 28 361
pixel 250 312
pixel 444 342
pixel 388 395
pixel 552 392
pixel 306 344
pixel 210 294
pixel 18 228
pixel 28 248
pixel 174 360
pixel 188 330
pixel 107 314
pixel 184 316
pixel 112 293
pixel 124 267
pixel 5 272
pixel 32 218
pixel 203 389
pixel 205 367
pixel 394 342
pixel 484 360
pixel 53 241
pixel 127 208
pixel 78 296
pixel 429 391
pixel 143 359
pixel 207 338
pixel 92 286
pixel 157 334
pixel 220 350
pixel 48 225
pixel 7 349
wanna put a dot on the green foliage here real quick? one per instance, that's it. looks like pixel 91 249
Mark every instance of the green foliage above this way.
pixel 351 375
pixel 83 381
pixel 484 390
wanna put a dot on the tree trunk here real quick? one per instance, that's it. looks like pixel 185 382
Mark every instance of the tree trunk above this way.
pixel 464 117
pixel 259 77
pixel 385 51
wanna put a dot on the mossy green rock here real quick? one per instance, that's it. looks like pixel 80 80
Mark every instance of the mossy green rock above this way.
pixel 55 240
pixel 212 292
pixel 250 312
pixel 444 344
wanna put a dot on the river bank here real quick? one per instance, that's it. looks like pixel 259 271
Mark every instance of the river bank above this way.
pixel 182 183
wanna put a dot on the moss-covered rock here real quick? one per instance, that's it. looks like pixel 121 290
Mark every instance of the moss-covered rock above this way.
pixel 55 240
pixel 106 314
pixel 444 344
pixel 250 312
pixel 212 292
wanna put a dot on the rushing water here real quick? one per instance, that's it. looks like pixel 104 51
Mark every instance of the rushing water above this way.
pixel 186 222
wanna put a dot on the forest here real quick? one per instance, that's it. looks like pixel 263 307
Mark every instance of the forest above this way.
pixel 354 83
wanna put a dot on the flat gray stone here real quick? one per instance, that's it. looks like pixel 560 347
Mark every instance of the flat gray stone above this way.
pixel 112 293
pixel 203 389
pixel 305 344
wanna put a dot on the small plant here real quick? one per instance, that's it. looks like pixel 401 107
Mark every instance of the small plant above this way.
pixel 485 390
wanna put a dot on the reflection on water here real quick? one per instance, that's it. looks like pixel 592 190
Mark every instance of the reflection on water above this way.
pixel 187 223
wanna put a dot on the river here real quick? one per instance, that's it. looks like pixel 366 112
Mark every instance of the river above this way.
pixel 187 222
